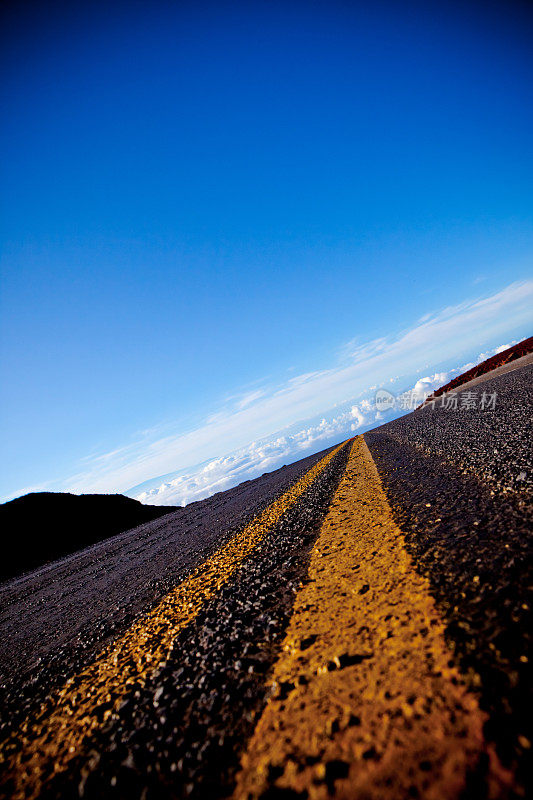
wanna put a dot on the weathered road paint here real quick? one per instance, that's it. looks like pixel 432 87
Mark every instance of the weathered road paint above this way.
pixel 50 739
pixel 366 702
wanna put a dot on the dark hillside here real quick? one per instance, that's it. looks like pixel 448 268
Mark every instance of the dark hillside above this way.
pixel 499 360
pixel 43 526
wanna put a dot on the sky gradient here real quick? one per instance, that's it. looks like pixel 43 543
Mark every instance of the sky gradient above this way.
pixel 203 202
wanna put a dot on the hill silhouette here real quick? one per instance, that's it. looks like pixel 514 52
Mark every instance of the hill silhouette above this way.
pixel 499 360
pixel 44 526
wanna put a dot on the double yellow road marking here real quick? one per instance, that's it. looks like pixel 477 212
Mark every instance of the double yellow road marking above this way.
pixel 46 743
pixel 366 701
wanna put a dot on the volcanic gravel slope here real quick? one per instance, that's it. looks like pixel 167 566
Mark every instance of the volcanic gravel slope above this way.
pixel 459 483
pixel 503 362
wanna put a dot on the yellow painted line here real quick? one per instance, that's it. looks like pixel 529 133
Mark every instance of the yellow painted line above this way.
pixel 365 702
pixel 47 742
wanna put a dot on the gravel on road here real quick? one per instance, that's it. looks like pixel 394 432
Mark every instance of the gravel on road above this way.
pixel 453 481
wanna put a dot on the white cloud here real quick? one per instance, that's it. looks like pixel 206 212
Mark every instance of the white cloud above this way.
pixel 257 415
pixel 253 460
pixel 249 398
pixel 483 356
pixel 425 386
pixel 259 457
pixel 39 487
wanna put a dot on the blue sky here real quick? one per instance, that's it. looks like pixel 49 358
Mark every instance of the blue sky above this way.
pixel 203 202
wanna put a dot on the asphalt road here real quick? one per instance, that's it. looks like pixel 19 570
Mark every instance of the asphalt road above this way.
pixel 203 695
pixel 326 630
pixel 494 445
pixel 54 619
pixel 459 483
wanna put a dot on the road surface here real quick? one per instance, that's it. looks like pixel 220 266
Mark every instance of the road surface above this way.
pixel 356 625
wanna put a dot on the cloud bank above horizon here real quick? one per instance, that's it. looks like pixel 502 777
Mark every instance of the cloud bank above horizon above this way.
pixel 264 456
pixel 259 429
